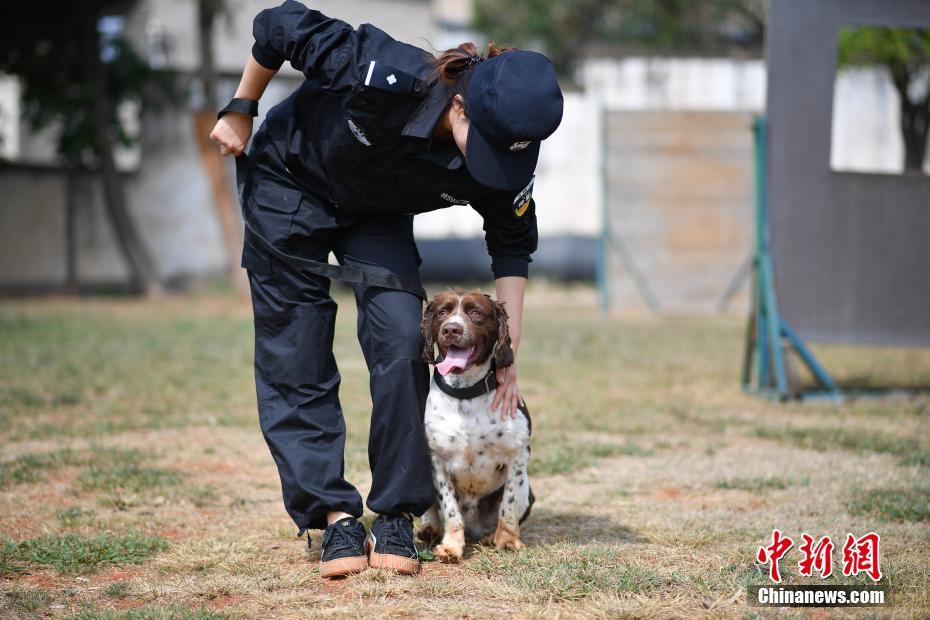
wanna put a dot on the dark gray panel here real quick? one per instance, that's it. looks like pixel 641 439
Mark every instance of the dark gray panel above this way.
pixel 851 252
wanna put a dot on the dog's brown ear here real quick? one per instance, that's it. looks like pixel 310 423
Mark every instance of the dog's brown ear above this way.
pixel 426 329
pixel 503 353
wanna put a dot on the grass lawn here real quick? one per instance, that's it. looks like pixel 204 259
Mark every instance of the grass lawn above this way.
pixel 134 481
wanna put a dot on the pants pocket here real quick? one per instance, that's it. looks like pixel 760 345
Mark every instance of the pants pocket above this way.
pixel 274 207
pixel 295 348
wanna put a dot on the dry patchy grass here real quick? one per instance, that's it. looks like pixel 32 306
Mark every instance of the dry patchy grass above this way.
pixel 134 482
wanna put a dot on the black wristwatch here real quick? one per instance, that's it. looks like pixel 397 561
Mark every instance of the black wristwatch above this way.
pixel 240 105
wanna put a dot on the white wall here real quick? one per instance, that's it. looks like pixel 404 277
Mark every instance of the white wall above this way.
pixel 865 136
pixel 567 187
pixel 9 116
pixel 568 179
pixel 723 85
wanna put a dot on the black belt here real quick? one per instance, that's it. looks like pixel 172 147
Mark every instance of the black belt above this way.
pixel 343 273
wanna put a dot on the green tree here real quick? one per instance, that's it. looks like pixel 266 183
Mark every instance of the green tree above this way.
pixel 568 29
pixel 74 77
pixel 905 54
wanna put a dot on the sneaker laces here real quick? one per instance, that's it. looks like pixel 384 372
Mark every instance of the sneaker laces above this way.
pixel 397 535
pixel 336 538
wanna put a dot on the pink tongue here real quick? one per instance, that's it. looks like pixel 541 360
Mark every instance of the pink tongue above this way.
pixel 455 358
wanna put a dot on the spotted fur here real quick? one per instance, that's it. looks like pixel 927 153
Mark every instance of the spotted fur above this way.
pixel 479 461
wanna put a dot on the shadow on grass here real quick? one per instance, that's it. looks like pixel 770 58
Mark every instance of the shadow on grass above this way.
pixel 865 387
pixel 545 526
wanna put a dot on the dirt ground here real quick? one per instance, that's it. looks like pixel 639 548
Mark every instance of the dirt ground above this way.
pixel 134 481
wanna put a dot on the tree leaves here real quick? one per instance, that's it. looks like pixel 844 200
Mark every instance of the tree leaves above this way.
pixel 568 29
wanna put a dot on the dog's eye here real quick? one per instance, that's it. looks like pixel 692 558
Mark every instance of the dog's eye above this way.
pixel 475 314
pixel 442 313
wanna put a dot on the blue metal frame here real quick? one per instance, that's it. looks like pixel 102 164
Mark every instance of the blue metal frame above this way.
pixel 767 329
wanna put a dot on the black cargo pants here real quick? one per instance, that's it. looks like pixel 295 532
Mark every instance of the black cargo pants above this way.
pixel 296 377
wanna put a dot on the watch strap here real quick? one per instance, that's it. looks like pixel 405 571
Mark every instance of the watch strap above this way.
pixel 240 105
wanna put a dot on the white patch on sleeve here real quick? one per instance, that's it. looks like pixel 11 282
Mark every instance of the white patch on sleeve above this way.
pixel 371 69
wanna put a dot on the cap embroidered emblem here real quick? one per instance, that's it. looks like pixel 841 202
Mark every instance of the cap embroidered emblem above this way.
pixel 391 79
pixel 519 146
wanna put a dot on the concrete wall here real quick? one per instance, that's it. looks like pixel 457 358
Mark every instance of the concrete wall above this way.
pixel 679 178
pixel 679 208
pixel 169 200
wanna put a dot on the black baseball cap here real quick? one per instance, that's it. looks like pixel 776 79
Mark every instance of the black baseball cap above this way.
pixel 514 102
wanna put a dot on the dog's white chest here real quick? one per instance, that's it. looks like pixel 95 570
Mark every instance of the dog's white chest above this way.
pixel 472 441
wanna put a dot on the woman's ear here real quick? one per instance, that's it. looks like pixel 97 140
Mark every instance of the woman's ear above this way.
pixel 426 330
pixel 458 106
pixel 503 353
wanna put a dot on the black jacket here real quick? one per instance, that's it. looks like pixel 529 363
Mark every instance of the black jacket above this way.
pixel 361 126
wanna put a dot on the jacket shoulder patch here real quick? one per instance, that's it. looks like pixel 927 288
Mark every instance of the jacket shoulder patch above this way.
pixel 522 202
pixel 387 78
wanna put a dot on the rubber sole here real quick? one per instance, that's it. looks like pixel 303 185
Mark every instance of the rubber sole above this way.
pixel 404 566
pixel 340 567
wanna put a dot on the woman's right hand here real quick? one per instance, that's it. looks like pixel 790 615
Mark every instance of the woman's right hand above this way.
pixel 232 133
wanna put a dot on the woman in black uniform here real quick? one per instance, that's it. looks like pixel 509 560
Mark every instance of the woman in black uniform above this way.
pixel 380 130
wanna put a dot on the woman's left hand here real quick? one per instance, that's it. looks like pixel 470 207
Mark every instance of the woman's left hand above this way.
pixel 508 393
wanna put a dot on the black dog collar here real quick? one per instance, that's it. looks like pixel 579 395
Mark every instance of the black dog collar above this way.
pixel 240 105
pixel 472 391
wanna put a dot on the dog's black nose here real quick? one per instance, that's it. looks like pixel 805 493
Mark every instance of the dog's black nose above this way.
pixel 451 329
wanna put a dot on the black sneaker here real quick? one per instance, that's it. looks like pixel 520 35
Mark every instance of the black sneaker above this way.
pixel 343 548
pixel 390 545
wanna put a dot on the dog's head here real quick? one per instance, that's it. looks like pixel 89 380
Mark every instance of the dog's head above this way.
pixel 469 328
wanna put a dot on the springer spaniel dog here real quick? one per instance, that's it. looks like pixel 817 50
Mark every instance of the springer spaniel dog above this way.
pixel 479 459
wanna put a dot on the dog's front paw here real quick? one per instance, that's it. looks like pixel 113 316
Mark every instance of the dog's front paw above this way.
pixel 429 535
pixel 447 553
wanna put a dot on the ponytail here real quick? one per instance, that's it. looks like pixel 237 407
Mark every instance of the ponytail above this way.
pixel 454 63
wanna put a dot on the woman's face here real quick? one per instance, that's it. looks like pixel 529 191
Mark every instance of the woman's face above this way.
pixel 459 121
